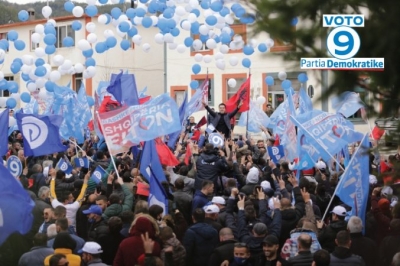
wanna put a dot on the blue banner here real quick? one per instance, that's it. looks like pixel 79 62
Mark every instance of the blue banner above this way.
pixel 195 104
pixel 97 174
pixel 123 88
pixel 64 166
pixel 81 162
pixel 276 153
pixel 257 119
pixel 172 138
pixel 14 165
pixel 155 118
pixel 4 121
pixel 305 103
pixel 347 103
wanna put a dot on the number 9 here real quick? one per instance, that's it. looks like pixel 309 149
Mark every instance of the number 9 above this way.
pixel 343 43
pixel 349 44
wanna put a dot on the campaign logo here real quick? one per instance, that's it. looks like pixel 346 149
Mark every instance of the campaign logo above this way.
pixel 35 131
pixel 216 139
pixel 14 165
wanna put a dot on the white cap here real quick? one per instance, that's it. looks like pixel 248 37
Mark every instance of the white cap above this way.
pixel 387 191
pixel 339 210
pixel 265 184
pixel 211 209
pixel 372 180
pixel 218 200
pixel 320 165
pixel 92 248
pixel 252 176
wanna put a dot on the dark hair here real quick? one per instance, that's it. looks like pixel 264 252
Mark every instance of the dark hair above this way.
pixel 64 196
pixel 183 170
pixel 114 199
pixel 155 210
pixel 40 239
pixel 60 211
pixel 62 223
pixel 55 259
pixel 199 215
pixel 166 233
pixel 343 238
pixel 60 174
pixel 179 183
pixel 285 166
pixel 102 197
pixel 222 104
pixel 305 241
pixel 322 258
pixel 115 224
pixel 206 183
pixel 127 217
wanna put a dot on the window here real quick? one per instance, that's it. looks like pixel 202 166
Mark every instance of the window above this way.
pixel 3 35
pixel 276 95
pixel 203 47
pixel 282 46
pixel 33 45
pixel 6 93
pixel 77 80
pixel 62 32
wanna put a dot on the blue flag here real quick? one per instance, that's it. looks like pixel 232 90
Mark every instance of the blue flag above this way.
pixel 81 162
pixel 305 103
pixel 64 166
pixel 353 186
pixel 151 169
pixel 305 161
pixel 40 134
pixel 97 174
pixel 257 119
pixel 15 206
pixel 276 153
pixel 142 93
pixel 123 88
pixel 32 107
pixel 4 120
pixel 347 103
pixel 175 136
pixel 195 104
pixel 82 113
pixel 155 118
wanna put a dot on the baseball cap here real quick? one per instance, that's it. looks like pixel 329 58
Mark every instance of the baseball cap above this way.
pixel 91 248
pixel 270 240
pixel 218 200
pixel 260 229
pixel 265 184
pixel 93 209
pixel 339 210
pixel 372 180
pixel 320 165
pixel 211 209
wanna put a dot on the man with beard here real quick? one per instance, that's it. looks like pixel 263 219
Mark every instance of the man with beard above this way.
pixel 271 256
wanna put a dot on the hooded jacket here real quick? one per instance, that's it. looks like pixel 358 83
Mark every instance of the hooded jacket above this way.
pixel 199 241
pixel 327 235
pixel 209 166
pixel 132 248
pixel 343 256
pixel 199 201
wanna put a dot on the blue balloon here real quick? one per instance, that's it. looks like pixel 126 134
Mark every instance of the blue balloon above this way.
pixel 103 2
pixel 205 4
pixel 246 62
pixel 224 11
pixel 50 29
pixel 171 23
pixel 302 78
pixel 262 47
pixel 188 41
pixel 168 13
pixel 68 6
pixel 240 12
pixel 194 84
pixel 248 19
pixel 15 67
pixel 76 25
pixel 12 86
pixel 50 39
pixel 235 7
pixel 211 20
pixel 50 49
pixel 90 100
pixel 25 77
pixel 216 6
pixel 248 50
pixel 100 47
pixel 143 1
pixel 49 86
pixel 11 103
pixel 25 97
pixel 194 28
pixel 204 38
pixel 91 11
pixel 90 62
pixel 153 7
pixel 162 23
pixel 140 12
pixel 68 42
pixel 125 45
pixel 147 22
pixel 109 18
pixel 111 42
pixel 132 32
pixel 4 44
pixel 87 53
pixel 130 13
pixel 286 84
pixel 39 62
pixel 40 71
pixel 3 84
pixel 23 15
pixel 12 35
pixel 270 81
pixel 196 12
pixel 225 38
pixel 116 12
pixel 175 32
pixel 196 68
pixel 124 26
pixel 19 45
pixel 295 21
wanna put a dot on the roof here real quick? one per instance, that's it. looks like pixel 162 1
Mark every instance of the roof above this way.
pixel 39 21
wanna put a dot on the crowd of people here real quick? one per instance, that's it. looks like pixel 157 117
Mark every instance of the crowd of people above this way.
pixel 229 206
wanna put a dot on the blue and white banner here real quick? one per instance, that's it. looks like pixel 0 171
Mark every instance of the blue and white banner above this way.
pixel 14 165
pixel 257 118
pixel 157 117
pixel 305 103
pixel 97 174
pixel 276 153
pixel 81 162
pixel 195 104
pixel 64 166
pixel 347 103
pixel 216 139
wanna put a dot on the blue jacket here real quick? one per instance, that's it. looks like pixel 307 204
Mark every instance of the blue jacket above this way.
pixel 199 201
pixel 200 240
pixel 35 256
pixel 79 243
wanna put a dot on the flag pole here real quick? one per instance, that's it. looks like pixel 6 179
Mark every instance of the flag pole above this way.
pixel 105 139
pixel 247 120
pixel 208 115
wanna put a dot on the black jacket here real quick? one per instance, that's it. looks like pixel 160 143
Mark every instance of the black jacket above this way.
pixel 209 166
pixel 183 202
pixel 98 232
pixel 390 245
pixel 365 248
pixel 224 251
pixel 304 258
pixel 343 256
pixel 227 119
pixel 327 236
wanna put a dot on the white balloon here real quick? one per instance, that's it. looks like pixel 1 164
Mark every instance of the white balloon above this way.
pixel 171 3
pixel 233 61
pixel 181 48
pixel 180 10
pixel 58 60
pixel 227 29
pixel 137 39
pixel 186 25
pixel 39 28
pixel 211 43
pixel 208 12
pixel 120 33
pixel 42 94
pixel 79 68
pixel 192 17
pixel 108 33
pixel 137 20
pixel 123 17
pixel 232 83
pixel 198 57
pixel 203 29
pixel 84 45
pixel 172 46
pixel 253 43
pixel 55 75
pixel 78 11
pixel 159 38
pixel 115 1
pixel 40 82
pixel 31 87
pixel 90 72
pixel 220 64
pixel 35 37
pixel 270 43
pixel 91 27
pixel 3 101
pixel 168 38
pixel 26 69
pixel 154 19
pixel 11 120
pixel 197 45
pixel 48 70
pixel 39 52
pixel 1 75
pixel 224 49
pixel 188 8
pixel 207 58
pixel 219 25
pixel 194 3
pixel 46 11
pixel 229 19
pixel 219 55
pixel 52 21
pixel 260 100
pixel 92 38
pixel 28 59
pixel 102 19
pixel 16 96
pixel 146 47
pixel 114 22
pixel 282 75
pixel 91 2
pixel 141 5
pixel 71 71
pixel 67 64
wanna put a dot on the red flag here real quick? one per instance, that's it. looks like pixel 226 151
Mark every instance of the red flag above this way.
pixel 242 94
pixel 277 140
pixel 188 154
pixel 377 133
pixel 91 125
pixel 196 135
pixel 201 123
pixel 144 99
pixel 108 105
pixel 164 153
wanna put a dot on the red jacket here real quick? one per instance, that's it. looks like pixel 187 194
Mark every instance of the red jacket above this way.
pixel 131 248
